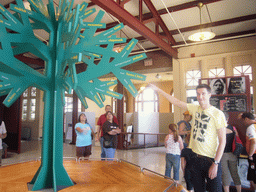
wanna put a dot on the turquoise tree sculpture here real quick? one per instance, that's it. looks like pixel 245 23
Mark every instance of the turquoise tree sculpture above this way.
pixel 71 40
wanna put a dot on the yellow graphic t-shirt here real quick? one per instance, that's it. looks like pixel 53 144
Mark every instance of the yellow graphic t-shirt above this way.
pixel 205 123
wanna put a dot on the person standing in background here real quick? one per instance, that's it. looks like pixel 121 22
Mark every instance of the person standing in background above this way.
pixel 83 138
pixel 229 161
pixel 102 119
pixel 3 134
pixel 173 145
pixel 184 127
pixel 186 166
pixel 110 130
pixel 249 120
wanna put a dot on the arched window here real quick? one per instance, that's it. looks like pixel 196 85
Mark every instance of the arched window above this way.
pixel 147 101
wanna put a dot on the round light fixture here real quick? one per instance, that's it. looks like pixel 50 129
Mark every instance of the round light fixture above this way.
pixel 158 76
pixel 201 36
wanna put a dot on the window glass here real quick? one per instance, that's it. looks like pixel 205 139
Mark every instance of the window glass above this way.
pixel 79 105
pixel 148 106
pixel 24 109
pixel 243 70
pixel 114 104
pixel 32 109
pixel 191 96
pixel 192 77
pixel 148 94
pixel 217 72
pixel 146 101
pixel 33 91
pixel 25 93
pixel 29 103
pixel 140 107
pixel 68 104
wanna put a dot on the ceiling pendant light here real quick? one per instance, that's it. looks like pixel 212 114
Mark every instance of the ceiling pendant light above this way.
pixel 202 35
pixel 158 76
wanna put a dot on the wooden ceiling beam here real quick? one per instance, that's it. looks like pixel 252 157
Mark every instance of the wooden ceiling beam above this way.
pixel 7 6
pixel 207 25
pixel 149 16
pixel 218 37
pixel 122 15
pixel 180 7
pixel 215 24
pixel 160 21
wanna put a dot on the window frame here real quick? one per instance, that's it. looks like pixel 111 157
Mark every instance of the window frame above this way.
pixel 29 95
pixel 142 102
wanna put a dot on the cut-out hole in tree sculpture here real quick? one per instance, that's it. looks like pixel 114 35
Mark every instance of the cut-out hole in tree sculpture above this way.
pixel 67 46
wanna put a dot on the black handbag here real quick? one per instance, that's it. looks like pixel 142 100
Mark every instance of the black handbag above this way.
pixel 237 145
pixel 108 143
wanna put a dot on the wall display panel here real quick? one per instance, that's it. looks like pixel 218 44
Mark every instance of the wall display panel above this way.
pixel 233 103
pixel 230 94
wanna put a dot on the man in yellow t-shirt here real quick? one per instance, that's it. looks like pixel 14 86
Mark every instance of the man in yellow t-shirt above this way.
pixel 207 140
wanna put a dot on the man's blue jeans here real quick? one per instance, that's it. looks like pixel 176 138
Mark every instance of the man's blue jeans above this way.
pixel 172 161
pixel 102 155
pixel 110 153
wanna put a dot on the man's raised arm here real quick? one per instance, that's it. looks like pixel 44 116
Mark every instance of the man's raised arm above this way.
pixel 170 98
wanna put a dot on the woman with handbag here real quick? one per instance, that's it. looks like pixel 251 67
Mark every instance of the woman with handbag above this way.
pixel 229 161
pixel 110 130
pixel 83 137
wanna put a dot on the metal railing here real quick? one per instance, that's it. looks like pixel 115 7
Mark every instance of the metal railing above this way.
pixel 141 140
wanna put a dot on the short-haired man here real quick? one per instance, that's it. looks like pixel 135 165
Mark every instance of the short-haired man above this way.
pixel 249 120
pixel 102 119
pixel 207 140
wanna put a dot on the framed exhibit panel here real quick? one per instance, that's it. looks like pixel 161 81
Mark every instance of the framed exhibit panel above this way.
pixel 236 85
pixel 230 94
pixel 218 86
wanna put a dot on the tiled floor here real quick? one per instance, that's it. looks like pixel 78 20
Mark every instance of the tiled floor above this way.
pixel 150 158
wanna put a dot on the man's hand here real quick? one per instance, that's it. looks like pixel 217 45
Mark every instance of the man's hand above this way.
pixel 213 171
pixel 251 163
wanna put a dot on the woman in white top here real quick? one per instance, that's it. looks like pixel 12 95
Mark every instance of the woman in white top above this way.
pixel 173 145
